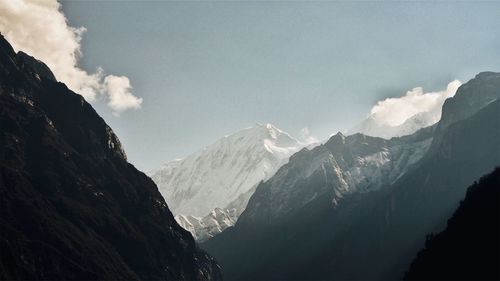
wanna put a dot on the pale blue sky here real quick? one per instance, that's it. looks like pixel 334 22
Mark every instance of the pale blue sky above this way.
pixel 206 69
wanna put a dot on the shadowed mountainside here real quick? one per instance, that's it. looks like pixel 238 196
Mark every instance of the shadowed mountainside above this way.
pixel 71 206
pixel 301 225
pixel 468 249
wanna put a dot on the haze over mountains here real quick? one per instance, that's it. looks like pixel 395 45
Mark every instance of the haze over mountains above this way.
pixel 209 189
pixel 314 220
pixel 265 205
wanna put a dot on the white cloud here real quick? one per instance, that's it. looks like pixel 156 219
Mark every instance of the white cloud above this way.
pixel 120 97
pixel 39 28
pixel 404 115
pixel 395 111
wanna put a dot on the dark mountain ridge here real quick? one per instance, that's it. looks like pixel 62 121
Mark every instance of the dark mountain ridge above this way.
pixel 71 206
pixel 469 248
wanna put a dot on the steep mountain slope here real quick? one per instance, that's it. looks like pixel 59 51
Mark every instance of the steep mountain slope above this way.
pixel 221 178
pixel 468 249
pixel 71 206
pixel 296 226
pixel 470 97
pixel 289 208
pixel 342 166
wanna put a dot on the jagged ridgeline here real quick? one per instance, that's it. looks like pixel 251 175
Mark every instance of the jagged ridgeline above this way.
pixel 71 206
pixel 360 207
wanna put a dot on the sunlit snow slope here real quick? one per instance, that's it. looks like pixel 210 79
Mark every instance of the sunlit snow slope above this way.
pixel 222 175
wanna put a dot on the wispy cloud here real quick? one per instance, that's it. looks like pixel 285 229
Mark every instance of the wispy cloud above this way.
pixel 39 28
pixel 306 137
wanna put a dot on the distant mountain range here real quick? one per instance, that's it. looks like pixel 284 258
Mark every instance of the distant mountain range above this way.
pixel 265 205
pixel 208 190
pixel 71 206
pixel 359 207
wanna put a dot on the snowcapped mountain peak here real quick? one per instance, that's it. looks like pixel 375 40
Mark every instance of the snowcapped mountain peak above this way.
pixel 266 131
pixel 222 172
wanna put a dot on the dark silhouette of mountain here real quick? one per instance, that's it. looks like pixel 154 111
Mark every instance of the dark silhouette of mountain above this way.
pixel 297 227
pixel 468 249
pixel 71 206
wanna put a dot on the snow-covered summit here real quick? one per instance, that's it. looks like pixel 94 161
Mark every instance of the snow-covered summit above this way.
pixel 222 172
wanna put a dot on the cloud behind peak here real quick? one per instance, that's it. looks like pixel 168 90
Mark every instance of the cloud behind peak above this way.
pixel 404 115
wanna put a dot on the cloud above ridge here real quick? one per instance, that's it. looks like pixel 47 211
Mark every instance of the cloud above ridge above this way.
pixel 395 111
pixel 393 117
pixel 39 28
pixel 307 138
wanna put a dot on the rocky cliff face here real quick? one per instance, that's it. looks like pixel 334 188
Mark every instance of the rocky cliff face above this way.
pixel 71 206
